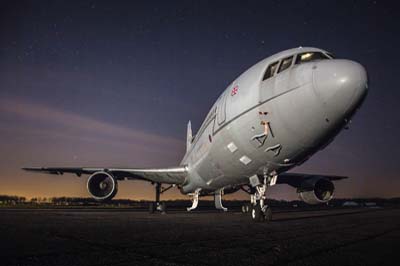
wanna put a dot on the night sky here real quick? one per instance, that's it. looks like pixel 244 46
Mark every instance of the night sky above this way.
pixel 113 83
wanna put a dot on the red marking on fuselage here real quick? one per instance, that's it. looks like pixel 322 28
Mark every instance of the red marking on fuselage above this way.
pixel 234 91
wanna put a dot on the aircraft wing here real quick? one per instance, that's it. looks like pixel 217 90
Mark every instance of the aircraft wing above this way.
pixel 173 175
pixel 295 179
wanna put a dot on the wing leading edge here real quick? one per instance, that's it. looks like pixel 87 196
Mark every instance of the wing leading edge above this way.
pixel 295 179
pixel 173 175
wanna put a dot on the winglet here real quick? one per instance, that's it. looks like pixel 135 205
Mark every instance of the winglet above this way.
pixel 189 136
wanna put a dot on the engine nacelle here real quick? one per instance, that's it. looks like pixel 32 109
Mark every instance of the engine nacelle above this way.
pixel 102 186
pixel 316 190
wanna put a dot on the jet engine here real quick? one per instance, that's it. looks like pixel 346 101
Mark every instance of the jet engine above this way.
pixel 102 186
pixel 316 190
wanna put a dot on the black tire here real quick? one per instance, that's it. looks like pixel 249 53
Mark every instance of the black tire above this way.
pixel 163 207
pixel 256 213
pixel 248 207
pixel 152 207
pixel 268 214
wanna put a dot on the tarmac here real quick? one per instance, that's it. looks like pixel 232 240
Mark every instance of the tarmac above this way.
pixel 102 237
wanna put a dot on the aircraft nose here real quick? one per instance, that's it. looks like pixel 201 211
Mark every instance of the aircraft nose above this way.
pixel 341 84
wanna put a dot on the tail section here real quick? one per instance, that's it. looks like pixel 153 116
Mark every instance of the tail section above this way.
pixel 189 136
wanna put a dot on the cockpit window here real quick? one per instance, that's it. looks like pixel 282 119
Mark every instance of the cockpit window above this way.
pixel 286 63
pixel 310 56
pixel 270 70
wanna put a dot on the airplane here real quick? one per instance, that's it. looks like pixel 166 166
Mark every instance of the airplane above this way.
pixel 271 118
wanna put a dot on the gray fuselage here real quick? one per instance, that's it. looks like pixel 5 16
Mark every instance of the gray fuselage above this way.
pixel 262 125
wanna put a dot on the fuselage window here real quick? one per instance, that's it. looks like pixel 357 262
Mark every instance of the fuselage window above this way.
pixel 310 56
pixel 286 63
pixel 270 70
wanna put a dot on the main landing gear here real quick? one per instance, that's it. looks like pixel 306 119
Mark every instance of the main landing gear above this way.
pixel 259 210
pixel 157 205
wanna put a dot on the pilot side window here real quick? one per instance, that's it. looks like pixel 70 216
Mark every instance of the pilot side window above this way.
pixel 310 56
pixel 270 70
pixel 286 63
pixel 330 55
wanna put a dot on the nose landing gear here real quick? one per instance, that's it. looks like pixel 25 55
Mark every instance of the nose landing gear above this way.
pixel 259 210
pixel 261 214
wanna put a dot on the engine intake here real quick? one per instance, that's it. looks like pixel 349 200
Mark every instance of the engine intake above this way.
pixel 316 190
pixel 102 186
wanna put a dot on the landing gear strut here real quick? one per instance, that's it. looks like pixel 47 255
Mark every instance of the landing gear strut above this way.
pixel 157 205
pixel 195 200
pixel 218 200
